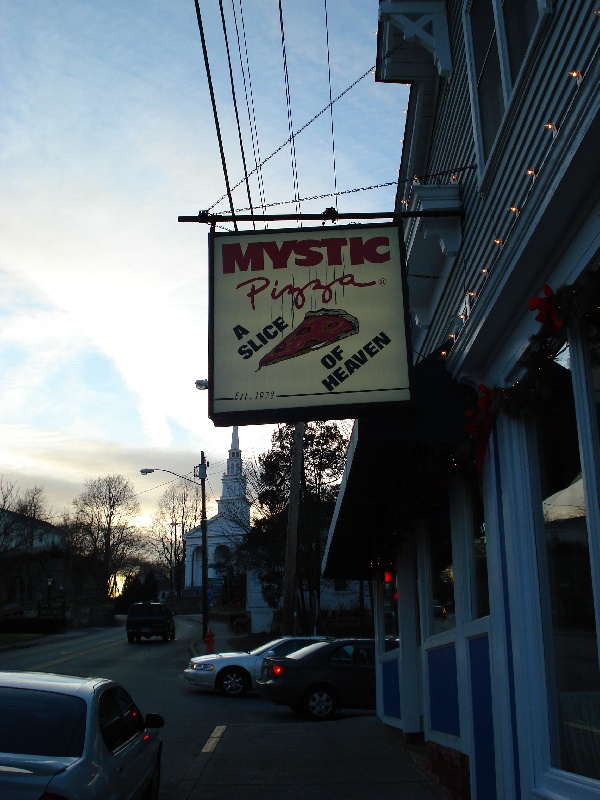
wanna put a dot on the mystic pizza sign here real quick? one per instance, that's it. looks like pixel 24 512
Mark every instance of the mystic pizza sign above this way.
pixel 306 324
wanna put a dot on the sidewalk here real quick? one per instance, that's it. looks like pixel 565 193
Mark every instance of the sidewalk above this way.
pixel 355 757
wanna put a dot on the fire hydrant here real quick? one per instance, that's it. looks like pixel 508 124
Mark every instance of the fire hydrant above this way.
pixel 209 641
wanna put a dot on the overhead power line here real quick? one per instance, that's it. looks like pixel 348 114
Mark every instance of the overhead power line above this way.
pixel 214 108
pixel 235 105
pixel 287 141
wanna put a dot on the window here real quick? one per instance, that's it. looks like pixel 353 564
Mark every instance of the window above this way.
pixel 500 32
pixel 120 719
pixel 569 622
pixel 481 598
pixel 41 723
pixel 441 600
pixel 354 654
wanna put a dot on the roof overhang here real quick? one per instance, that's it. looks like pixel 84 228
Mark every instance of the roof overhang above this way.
pixel 392 462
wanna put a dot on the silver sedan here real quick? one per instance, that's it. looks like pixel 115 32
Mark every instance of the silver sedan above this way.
pixel 75 738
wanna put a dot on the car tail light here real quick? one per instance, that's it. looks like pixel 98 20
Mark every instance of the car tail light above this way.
pixel 277 670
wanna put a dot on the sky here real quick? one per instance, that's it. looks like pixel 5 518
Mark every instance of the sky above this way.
pixel 107 135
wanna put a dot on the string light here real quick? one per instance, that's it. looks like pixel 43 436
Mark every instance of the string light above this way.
pixel 531 173
pixel 485 270
pixel 454 179
pixel 472 294
pixel 514 209
pixel 416 180
pixel 404 201
pixel 550 126
pixel 575 73
pixel 498 241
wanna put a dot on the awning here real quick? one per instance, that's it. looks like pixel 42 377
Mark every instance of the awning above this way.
pixel 395 463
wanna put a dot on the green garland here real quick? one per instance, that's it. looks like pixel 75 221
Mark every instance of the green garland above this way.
pixel 542 378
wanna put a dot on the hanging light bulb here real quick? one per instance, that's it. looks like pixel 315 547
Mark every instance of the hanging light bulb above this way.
pixel 575 73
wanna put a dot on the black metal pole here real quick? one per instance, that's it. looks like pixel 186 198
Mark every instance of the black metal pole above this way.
pixel 205 609
pixel 211 219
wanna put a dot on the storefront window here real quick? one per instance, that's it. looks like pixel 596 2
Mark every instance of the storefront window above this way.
pixel 481 597
pixel 441 604
pixel 570 638
pixel 390 613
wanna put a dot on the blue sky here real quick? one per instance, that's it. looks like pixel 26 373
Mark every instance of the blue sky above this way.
pixel 106 136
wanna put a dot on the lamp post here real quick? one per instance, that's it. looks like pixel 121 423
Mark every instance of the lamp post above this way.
pixel 200 473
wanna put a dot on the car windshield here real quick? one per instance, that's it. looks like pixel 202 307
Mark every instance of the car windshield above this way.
pixel 38 723
pixel 265 647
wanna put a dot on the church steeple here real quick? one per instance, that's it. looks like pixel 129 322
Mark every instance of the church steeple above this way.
pixel 234 462
pixel 233 502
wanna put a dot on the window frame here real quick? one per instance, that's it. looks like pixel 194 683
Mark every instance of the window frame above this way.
pixel 507 84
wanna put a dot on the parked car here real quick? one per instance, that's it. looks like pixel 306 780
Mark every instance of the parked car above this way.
pixel 439 612
pixel 149 619
pixel 234 674
pixel 75 739
pixel 321 678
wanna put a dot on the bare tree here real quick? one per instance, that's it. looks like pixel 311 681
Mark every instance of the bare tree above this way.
pixel 104 510
pixel 178 510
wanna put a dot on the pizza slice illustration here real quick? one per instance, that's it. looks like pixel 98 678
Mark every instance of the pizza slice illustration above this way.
pixel 317 329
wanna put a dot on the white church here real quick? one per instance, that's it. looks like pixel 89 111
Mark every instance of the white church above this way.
pixel 224 531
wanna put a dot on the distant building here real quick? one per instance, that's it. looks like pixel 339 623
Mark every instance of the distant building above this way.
pixel 19 532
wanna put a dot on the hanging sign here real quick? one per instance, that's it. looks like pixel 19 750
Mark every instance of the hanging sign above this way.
pixel 306 324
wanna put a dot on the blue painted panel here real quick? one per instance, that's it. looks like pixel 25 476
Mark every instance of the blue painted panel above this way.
pixel 443 690
pixel 483 723
pixel 391 689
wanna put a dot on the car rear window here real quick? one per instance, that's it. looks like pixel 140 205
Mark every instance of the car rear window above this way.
pixel 146 610
pixel 38 723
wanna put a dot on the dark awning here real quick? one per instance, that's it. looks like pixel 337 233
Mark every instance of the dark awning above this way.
pixel 395 464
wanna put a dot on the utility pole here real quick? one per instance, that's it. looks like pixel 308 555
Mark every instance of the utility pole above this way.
pixel 291 549
pixel 200 473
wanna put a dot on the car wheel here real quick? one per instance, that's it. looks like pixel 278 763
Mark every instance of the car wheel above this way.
pixel 233 682
pixel 319 703
pixel 130 638
pixel 151 792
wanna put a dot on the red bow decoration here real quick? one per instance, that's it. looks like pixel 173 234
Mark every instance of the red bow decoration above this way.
pixel 548 314
pixel 479 424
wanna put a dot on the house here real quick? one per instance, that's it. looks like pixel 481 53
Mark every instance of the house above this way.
pixel 19 532
pixel 485 548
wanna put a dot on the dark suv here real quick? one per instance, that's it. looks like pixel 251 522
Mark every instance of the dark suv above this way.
pixel 149 619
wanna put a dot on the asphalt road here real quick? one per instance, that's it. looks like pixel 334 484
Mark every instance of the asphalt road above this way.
pixel 152 671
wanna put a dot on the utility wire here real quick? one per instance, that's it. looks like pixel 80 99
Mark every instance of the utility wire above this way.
pixel 249 96
pixel 298 132
pixel 335 192
pixel 214 107
pixel 235 106
pixel 288 100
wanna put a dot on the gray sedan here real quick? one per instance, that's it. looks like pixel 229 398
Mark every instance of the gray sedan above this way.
pixel 75 739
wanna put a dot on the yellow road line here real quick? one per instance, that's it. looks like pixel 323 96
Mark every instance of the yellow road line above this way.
pixel 76 655
pixel 214 739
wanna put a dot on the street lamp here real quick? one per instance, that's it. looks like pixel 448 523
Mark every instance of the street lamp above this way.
pixel 200 473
